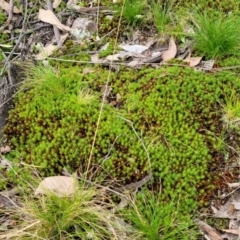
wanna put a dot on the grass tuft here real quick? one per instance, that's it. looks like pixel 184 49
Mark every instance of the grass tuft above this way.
pixel 217 36
pixel 155 219
pixel 85 215
pixel 133 11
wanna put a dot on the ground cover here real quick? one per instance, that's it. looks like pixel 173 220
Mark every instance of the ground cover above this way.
pixel 116 125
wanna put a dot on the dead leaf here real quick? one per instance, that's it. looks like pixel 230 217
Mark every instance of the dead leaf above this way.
pixel 118 56
pixel 56 3
pixel 123 56
pixel 118 97
pixel 171 52
pixel 49 17
pixel 87 70
pixel 61 186
pixel 233 231
pixel 213 234
pixel 206 65
pixel 236 205
pixel 193 61
pixel 104 47
pixel 5 149
pixel 233 185
pixel 228 210
pixel 5 6
pixel 95 58
pixel 134 48
pixel 48 50
pixel 229 236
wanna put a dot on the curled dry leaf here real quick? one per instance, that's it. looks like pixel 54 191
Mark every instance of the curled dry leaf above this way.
pixel 171 52
pixel 5 6
pixel 48 50
pixel 211 232
pixel 193 61
pixel 233 185
pixel 233 231
pixel 61 186
pixel 56 3
pixel 49 17
pixel 134 48
pixel 5 149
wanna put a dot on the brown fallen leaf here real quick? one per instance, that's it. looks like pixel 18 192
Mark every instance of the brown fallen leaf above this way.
pixel 48 50
pixel 193 61
pixel 5 149
pixel 61 186
pixel 171 52
pixel 49 17
pixel 211 232
pixel 233 231
pixel 56 3
pixel 233 185
pixel 5 6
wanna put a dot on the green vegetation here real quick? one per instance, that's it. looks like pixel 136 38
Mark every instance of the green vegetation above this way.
pixel 217 36
pixel 155 219
pixel 231 111
pixel 3 17
pixel 161 14
pixel 172 121
pixel 133 11
pixel 85 215
pixel 53 123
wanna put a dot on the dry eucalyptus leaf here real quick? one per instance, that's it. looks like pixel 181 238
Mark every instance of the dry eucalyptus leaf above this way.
pixel 73 4
pixel 134 48
pixel 193 61
pixel 234 185
pixel 211 232
pixel 117 57
pixel 171 52
pixel 5 149
pixel 5 6
pixel 229 236
pixel 46 51
pixel 228 210
pixel 61 186
pixel 233 231
pixel 104 47
pixel 49 17
pixel 236 205
pixel 56 3
pixel 206 65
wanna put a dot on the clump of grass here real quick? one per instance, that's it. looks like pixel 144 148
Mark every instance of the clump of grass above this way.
pixel 161 14
pixel 231 110
pixel 85 215
pixel 133 11
pixel 217 36
pixel 155 219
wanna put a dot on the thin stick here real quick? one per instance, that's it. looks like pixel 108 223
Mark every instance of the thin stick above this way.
pixel 22 34
pixel 10 13
pixel 140 139
pixel 104 94
pixel 55 29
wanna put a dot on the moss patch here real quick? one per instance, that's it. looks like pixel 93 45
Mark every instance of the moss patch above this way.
pixel 173 111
